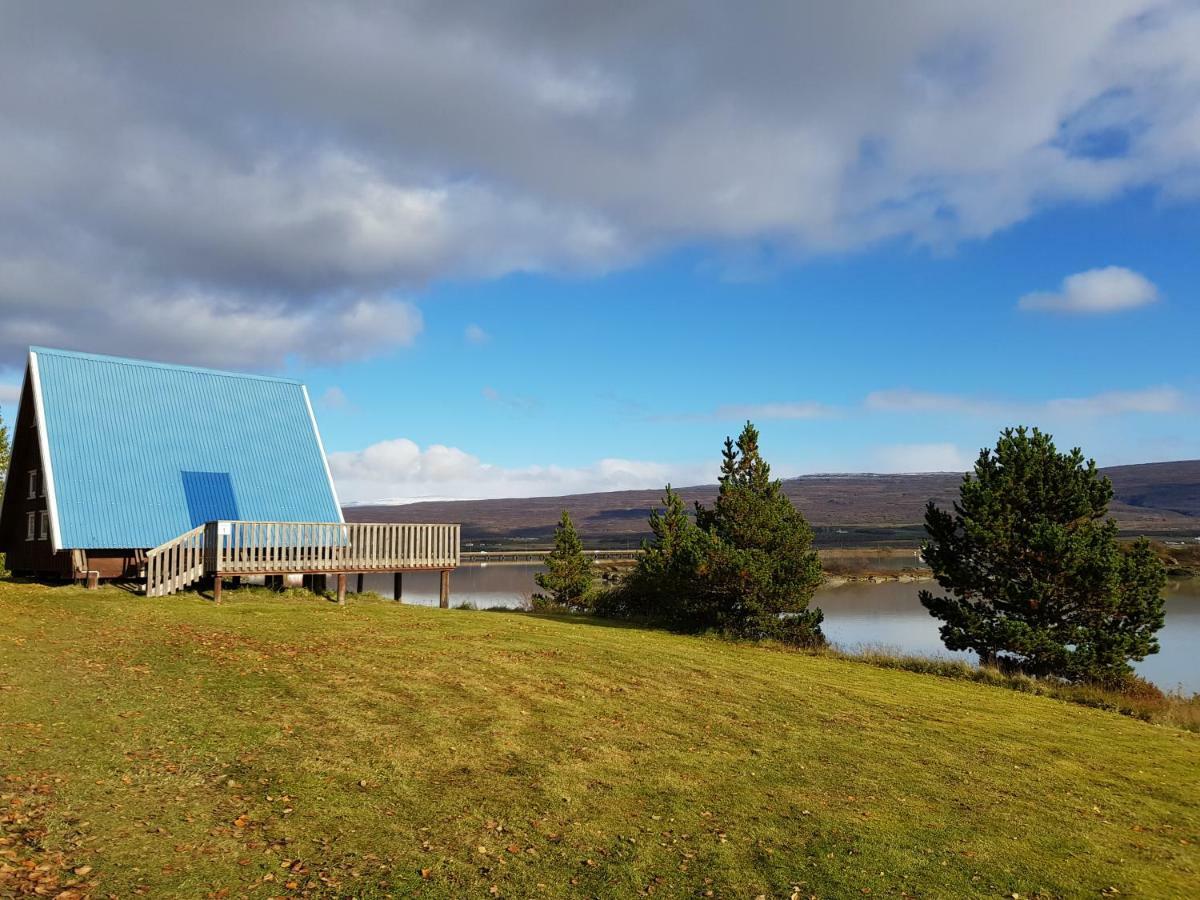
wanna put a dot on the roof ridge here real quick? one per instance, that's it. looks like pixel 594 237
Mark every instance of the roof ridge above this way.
pixel 154 364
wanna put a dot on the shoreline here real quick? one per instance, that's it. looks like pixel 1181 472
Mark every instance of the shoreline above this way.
pixel 839 578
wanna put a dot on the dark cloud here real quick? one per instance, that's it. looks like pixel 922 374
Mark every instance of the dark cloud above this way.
pixel 239 182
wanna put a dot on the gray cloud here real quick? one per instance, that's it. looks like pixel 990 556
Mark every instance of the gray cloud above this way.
pixel 296 169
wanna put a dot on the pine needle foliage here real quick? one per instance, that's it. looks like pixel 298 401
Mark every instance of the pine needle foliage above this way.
pixel 745 567
pixel 1036 579
pixel 569 573
pixel 5 453
pixel 761 571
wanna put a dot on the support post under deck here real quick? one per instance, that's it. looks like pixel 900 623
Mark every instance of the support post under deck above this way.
pixel 341 592
pixel 444 594
pixel 398 587
pixel 216 589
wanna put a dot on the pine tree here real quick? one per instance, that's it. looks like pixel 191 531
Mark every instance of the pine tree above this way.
pixel 760 571
pixel 5 459
pixel 1035 575
pixel 569 571
pixel 666 575
pixel 5 453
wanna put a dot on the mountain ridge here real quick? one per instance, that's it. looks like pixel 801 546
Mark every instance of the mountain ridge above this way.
pixel 844 508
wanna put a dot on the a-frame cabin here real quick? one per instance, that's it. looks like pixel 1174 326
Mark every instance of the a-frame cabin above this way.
pixel 124 468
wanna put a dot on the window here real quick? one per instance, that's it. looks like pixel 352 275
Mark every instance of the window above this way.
pixel 30 526
pixel 33 485
pixel 43 525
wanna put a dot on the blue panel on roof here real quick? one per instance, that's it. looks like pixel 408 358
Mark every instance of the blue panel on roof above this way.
pixel 209 496
pixel 140 450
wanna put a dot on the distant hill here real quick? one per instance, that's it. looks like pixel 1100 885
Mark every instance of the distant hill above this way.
pixel 845 510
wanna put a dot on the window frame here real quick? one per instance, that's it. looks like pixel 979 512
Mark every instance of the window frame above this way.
pixel 30 526
pixel 44 525
pixel 32 487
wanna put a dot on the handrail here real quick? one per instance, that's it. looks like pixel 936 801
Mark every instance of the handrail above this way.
pixel 252 547
pixel 268 548
pixel 176 564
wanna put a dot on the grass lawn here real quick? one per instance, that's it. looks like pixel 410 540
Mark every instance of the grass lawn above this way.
pixel 277 745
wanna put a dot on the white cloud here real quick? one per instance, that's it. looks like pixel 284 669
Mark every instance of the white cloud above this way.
pixel 937 457
pixel 1106 290
pixel 512 401
pixel 767 411
pixel 10 395
pixel 904 400
pixel 334 398
pixel 474 334
pixel 1155 400
pixel 400 471
pixel 1162 399
pixel 755 412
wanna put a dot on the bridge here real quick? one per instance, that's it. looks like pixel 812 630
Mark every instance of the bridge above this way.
pixel 483 558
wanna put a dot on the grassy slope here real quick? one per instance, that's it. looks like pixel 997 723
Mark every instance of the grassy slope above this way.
pixel 163 743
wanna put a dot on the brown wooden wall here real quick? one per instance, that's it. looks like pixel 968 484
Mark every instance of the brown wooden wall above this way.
pixel 35 557
pixel 25 556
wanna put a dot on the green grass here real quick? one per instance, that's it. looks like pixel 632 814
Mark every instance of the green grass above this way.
pixel 281 745
pixel 1138 697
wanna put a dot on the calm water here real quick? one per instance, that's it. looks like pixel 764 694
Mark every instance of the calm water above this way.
pixel 885 615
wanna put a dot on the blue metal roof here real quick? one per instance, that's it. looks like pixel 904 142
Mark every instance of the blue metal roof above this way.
pixel 140 452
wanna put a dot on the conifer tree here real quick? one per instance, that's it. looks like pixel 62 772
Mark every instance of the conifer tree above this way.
pixel 5 453
pixel 761 571
pixel 5 459
pixel 569 571
pixel 667 572
pixel 1036 579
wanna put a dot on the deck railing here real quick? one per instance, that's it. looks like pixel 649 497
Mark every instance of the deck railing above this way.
pixel 274 548
pixel 248 548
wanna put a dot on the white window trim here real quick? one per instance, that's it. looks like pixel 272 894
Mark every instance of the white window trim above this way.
pixel 30 526
pixel 31 490
pixel 43 525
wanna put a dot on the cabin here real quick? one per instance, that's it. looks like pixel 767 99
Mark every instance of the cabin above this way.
pixel 126 469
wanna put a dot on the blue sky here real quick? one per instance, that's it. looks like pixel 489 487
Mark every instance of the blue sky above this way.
pixel 659 362
pixel 568 249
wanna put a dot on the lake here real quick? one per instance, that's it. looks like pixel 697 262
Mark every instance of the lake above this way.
pixel 857 615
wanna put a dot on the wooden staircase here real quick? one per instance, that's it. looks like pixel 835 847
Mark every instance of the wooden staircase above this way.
pixel 177 564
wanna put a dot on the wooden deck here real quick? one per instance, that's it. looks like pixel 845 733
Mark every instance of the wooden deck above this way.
pixel 221 549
